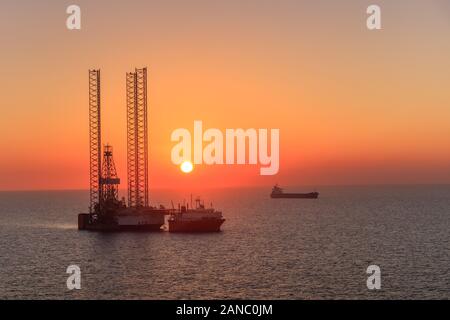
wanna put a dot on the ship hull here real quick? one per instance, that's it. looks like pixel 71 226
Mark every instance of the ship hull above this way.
pixel 199 226
pixel 312 195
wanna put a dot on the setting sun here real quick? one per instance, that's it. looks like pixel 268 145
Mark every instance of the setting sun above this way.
pixel 187 167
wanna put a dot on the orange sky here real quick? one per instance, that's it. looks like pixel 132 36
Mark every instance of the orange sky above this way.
pixel 353 106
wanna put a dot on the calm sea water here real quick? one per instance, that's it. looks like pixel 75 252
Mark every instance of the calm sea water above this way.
pixel 269 249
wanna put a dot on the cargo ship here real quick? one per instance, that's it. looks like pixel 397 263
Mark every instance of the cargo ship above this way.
pixel 278 193
pixel 198 219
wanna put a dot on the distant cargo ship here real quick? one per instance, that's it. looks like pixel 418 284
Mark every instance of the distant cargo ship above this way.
pixel 199 219
pixel 278 193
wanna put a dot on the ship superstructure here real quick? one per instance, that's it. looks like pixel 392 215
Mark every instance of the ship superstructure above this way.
pixel 195 219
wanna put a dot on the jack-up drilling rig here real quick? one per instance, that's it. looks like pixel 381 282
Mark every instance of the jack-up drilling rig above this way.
pixel 106 211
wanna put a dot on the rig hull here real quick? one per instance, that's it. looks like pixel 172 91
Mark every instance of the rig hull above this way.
pixel 145 221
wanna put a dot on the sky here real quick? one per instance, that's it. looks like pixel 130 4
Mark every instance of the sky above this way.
pixel 353 106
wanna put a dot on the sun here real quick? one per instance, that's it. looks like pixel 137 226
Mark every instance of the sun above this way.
pixel 186 167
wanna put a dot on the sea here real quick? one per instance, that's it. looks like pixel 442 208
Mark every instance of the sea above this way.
pixel 268 248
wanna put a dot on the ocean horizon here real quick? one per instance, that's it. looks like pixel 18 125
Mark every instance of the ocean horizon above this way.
pixel 268 248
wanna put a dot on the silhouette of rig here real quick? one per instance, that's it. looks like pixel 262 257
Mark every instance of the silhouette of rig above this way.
pixel 104 181
pixel 106 211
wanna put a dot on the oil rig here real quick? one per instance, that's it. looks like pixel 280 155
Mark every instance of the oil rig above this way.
pixel 106 211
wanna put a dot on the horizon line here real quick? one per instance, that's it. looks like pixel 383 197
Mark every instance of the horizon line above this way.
pixel 248 187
